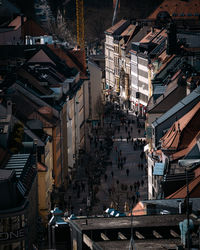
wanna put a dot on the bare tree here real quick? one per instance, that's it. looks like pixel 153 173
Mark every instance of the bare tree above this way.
pixel 99 107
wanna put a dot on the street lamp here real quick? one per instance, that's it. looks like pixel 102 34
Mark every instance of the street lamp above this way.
pixel 188 164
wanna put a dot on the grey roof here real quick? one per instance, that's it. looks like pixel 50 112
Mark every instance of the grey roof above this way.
pixel 159 89
pixel 5 174
pixel 17 162
pixel 174 203
pixel 185 101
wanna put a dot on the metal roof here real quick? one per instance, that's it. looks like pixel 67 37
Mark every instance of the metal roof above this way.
pixel 159 89
pixel 159 168
pixel 185 101
pixel 17 162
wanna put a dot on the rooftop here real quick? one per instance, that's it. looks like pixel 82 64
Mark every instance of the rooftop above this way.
pixel 182 131
pixel 6 174
pixel 179 9
pixel 194 190
pixel 117 28
pixel 125 222
pixel 194 95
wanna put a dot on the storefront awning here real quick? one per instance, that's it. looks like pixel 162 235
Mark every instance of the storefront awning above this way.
pixel 159 168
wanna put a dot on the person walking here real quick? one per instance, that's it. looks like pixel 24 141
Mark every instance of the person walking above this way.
pixel 105 177
pixel 127 172
pixel 112 174
pixel 131 188
pixel 133 198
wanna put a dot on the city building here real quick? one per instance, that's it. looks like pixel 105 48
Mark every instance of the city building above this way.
pixel 140 232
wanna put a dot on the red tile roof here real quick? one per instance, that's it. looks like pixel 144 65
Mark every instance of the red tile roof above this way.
pixel 16 23
pixel 139 209
pixel 73 58
pixel 183 131
pixel 31 28
pixel 112 29
pixel 179 9
pixel 181 153
pixel 194 190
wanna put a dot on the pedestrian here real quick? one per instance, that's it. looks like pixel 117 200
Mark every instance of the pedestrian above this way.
pixel 138 184
pixel 80 212
pixel 127 172
pixel 142 182
pixel 124 159
pixel 126 129
pixel 127 139
pixel 105 177
pixel 83 186
pixel 131 188
pixel 135 186
pixel 121 138
pixel 138 131
pixel 133 198
pixel 138 194
pixel 129 133
pixel 112 174
pixel 131 129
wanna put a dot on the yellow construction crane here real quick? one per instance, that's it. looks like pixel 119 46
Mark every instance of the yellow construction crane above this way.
pixel 80 24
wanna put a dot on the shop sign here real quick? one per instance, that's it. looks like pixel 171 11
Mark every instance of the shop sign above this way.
pixel 4 236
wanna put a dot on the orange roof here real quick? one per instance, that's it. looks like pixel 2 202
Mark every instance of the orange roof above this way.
pixel 194 190
pixel 185 151
pixel 31 28
pixel 139 209
pixel 41 167
pixel 73 58
pixel 129 30
pixel 112 29
pixel 153 35
pixel 16 22
pixel 182 131
pixel 179 9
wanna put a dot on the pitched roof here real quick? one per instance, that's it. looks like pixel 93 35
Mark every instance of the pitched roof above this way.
pixel 17 22
pixel 194 190
pixel 171 95
pixel 179 9
pixel 33 82
pixel 185 151
pixel 182 131
pixel 194 95
pixel 31 28
pixel 74 58
pixel 139 209
pixel 116 27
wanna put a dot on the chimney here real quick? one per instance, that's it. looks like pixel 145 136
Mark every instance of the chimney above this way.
pixel 9 107
pixel 22 19
pixel 171 39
